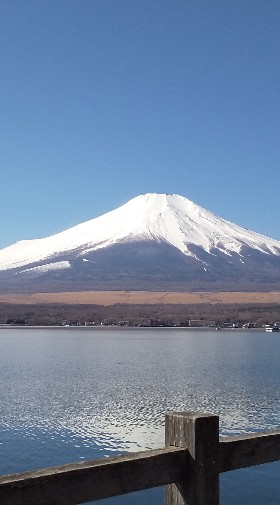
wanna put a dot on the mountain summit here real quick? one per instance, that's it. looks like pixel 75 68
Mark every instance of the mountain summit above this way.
pixel 154 241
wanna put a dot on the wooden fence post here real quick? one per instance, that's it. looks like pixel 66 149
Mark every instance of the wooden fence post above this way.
pixel 199 434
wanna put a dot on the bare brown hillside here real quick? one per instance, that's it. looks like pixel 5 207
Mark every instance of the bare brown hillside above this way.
pixel 107 298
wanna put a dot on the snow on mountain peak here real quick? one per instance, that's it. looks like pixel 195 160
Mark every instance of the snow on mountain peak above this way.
pixel 172 219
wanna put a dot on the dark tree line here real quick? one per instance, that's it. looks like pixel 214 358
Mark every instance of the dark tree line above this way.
pixel 145 315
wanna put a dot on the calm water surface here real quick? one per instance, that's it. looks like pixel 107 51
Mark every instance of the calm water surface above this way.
pixel 72 394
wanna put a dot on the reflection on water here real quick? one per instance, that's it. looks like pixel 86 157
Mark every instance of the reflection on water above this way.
pixel 72 394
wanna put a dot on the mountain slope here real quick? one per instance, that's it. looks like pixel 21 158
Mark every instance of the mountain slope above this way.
pixel 154 238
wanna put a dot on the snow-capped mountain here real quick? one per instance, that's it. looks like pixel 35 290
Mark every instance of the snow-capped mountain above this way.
pixel 153 238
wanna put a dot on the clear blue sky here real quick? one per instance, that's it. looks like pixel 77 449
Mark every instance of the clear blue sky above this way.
pixel 103 100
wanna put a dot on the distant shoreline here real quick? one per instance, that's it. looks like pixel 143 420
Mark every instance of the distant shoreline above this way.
pixel 123 328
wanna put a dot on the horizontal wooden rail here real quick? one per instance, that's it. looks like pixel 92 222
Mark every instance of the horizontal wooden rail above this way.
pixel 93 480
pixel 189 466
pixel 248 450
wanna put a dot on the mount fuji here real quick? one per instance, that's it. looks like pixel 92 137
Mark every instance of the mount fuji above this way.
pixel 153 242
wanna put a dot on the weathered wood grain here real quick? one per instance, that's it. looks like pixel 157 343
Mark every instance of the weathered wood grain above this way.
pixel 199 433
pixel 80 482
pixel 248 450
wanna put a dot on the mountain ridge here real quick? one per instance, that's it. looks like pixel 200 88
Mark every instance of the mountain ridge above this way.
pixel 153 238
pixel 142 224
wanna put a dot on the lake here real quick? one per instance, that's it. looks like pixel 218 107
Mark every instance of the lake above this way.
pixel 71 394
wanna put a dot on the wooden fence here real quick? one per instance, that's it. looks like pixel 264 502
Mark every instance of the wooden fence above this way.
pixel 189 467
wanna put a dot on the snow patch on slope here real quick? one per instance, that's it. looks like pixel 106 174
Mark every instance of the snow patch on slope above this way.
pixel 60 265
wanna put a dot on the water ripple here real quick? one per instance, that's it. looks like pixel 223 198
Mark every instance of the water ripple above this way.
pixel 88 393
